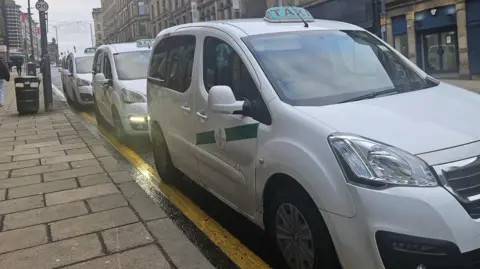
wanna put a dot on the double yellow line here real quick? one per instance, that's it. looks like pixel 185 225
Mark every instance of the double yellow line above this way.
pixel 231 246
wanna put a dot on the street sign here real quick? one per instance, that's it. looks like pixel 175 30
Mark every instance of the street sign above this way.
pixel 41 6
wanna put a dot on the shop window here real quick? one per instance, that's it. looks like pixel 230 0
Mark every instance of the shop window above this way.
pixel 401 44
pixel 399 31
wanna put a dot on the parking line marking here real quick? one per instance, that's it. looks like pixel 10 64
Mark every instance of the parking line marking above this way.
pixel 228 244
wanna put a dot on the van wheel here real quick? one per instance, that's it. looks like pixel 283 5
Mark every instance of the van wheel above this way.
pixel 118 126
pixel 296 227
pixel 163 161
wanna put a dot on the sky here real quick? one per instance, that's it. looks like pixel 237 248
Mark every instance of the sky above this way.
pixel 72 18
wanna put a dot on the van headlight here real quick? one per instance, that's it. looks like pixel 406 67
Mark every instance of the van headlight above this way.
pixel 378 165
pixel 131 97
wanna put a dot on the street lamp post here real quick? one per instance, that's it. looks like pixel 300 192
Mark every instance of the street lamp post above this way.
pixel 31 31
pixel 42 7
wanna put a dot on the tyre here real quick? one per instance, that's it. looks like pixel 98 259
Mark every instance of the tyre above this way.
pixel 163 161
pixel 296 227
pixel 118 126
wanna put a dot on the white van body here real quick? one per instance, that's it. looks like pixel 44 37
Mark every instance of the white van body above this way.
pixel 77 78
pixel 113 85
pixel 305 150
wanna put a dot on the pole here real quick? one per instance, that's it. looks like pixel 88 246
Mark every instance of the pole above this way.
pixel 47 79
pixel 31 30
pixel 383 20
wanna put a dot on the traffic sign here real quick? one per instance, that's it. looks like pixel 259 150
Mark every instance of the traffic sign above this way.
pixel 41 6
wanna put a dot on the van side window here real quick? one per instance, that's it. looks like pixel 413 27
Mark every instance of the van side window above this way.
pixel 70 65
pixel 107 68
pixel 158 66
pixel 223 66
pixel 96 63
pixel 180 63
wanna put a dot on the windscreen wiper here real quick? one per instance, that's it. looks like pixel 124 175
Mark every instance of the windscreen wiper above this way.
pixel 373 95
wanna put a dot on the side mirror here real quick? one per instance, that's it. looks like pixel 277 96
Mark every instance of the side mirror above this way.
pixel 66 73
pixel 60 69
pixel 100 78
pixel 222 100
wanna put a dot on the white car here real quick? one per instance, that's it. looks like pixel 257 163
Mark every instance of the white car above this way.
pixel 119 87
pixel 321 133
pixel 77 78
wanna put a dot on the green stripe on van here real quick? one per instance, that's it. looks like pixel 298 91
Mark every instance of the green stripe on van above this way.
pixel 242 132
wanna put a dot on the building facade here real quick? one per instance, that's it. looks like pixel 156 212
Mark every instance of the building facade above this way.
pixel 440 36
pixel 126 20
pixel 27 44
pixel 166 13
pixel 97 15
pixel 14 26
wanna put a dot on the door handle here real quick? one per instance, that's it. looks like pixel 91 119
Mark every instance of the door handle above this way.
pixel 202 116
pixel 186 108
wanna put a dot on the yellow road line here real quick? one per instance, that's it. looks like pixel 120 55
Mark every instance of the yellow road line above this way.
pixel 230 245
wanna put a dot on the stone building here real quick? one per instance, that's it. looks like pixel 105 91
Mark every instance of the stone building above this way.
pixel 97 15
pixel 166 13
pixel 440 36
pixel 126 20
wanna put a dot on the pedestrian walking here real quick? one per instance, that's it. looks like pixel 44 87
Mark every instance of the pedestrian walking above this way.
pixel 18 64
pixel 4 75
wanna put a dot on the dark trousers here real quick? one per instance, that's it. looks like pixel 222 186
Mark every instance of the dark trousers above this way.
pixel 19 70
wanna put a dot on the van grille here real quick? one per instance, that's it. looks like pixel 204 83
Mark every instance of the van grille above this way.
pixel 464 182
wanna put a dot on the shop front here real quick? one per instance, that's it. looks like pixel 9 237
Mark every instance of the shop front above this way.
pixel 473 33
pixel 436 40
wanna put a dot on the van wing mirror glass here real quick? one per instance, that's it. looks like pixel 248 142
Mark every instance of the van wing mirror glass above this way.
pixel 100 78
pixel 222 100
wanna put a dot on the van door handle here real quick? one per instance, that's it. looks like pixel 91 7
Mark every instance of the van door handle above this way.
pixel 186 108
pixel 202 116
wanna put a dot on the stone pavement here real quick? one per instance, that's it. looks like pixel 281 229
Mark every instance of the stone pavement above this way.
pixel 473 85
pixel 67 202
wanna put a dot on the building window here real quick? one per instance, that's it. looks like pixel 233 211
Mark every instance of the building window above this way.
pixel 399 32
pixel 142 29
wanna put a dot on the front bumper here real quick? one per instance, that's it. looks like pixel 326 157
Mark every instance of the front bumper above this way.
pixel 84 95
pixel 432 214
pixel 132 115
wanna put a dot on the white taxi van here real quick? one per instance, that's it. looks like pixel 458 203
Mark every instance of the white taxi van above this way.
pixel 77 77
pixel 119 87
pixel 321 133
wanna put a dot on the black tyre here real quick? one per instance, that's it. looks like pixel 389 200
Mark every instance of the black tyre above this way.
pixel 163 161
pixel 118 127
pixel 296 227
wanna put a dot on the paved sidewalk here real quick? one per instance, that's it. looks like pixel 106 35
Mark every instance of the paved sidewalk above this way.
pixel 473 85
pixel 67 202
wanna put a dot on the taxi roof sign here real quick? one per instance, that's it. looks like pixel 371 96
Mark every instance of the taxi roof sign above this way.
pixel 287 14
pixel 90 50
pixel 145 43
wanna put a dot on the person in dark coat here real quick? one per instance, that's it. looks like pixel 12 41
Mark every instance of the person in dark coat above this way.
pixel 4 75
pixel 19 64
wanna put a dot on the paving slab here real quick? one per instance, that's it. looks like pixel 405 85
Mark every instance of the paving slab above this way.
pixel 15 205
pixel 92 223
pixel 42 188
pixel 67 196
pixel 85 163
pixel 94 180
pixel 100 151
pixel 20 181
pixel 148 257
pixel 38 156
pixel 3 194
pixel 107 202
pixel 85 171
pixel 63 147
pixel 54 255
pixel 23 238
pixel 65 159
pixel 38 145
pixel 125 237
pixel 121 177
pixel 182 252
pixel 18 152
pixel 77 151
pixel 49 169
pixel 44 215
pixel 144 205
pixel 18 165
